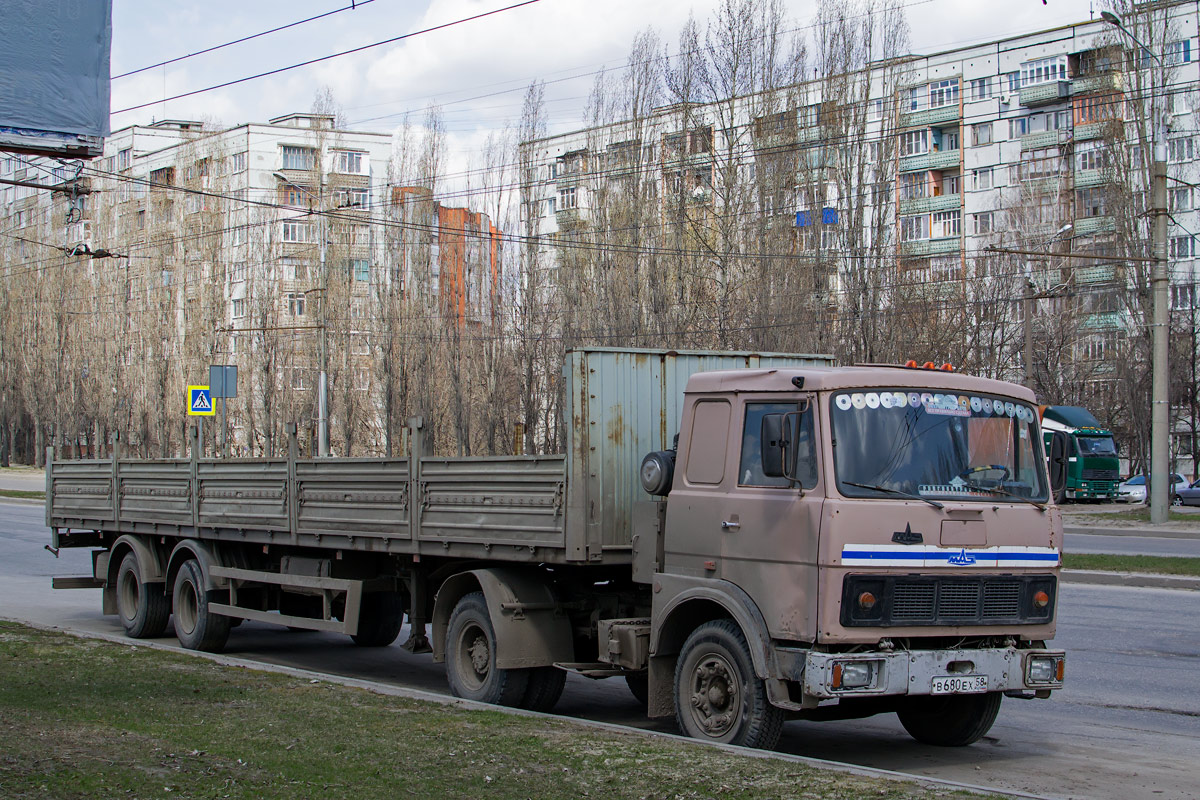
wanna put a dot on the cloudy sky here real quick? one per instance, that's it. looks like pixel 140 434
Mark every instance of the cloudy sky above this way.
pixel 475 71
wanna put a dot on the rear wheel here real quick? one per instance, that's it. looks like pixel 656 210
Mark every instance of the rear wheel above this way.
pixel 196 627
pixel 639 686
pixel 142 606
pixel 718 698
pixel 950 721
pixel 379 619
pixel 471 657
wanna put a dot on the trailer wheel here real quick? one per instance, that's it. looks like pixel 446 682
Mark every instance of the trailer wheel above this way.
pixel 379 619
pixel 544 688
pixel 718 698
pixel 196 627
pixel 471 657
pixel 639 686
pixel 950 721
pixel 143 607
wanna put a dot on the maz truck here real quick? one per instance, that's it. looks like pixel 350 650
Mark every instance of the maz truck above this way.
pixel 1082 455
pixel 743 538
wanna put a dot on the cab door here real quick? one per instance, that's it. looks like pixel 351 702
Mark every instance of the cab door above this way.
pixel 769 545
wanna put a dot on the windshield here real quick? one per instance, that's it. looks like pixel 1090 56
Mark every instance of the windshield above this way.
pixel 1097 446
pixel 933 445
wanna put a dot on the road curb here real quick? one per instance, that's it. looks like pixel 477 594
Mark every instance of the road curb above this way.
pixel 1141 580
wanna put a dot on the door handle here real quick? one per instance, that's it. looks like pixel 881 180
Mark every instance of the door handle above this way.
pixel 730 525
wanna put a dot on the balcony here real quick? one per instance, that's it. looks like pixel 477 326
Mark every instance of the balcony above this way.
pixel 1086 178
pixel 930 116
pixel 1045 93
pixel 935 160
pixel 1087 225
pixel 930 247
pixel 1088 131
pixel 1036 141
pixel 1106 82
pixel 926 205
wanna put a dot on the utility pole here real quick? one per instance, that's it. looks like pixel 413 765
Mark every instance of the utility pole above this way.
pixel 1160 404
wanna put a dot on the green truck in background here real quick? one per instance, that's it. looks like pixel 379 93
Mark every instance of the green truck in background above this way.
pixel 1082 455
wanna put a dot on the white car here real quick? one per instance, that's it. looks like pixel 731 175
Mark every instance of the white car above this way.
pixel 1134 489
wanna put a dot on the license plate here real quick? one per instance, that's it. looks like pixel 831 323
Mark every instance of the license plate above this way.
pixel 959 684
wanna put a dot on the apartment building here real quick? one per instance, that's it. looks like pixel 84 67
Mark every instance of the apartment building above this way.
pixel 1039 143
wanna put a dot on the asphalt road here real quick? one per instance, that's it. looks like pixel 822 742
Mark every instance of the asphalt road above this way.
pixel 1127 725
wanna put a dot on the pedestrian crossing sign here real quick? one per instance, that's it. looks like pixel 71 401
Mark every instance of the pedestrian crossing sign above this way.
pixel 200 402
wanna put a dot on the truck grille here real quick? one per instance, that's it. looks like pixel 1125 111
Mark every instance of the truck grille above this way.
pixel 950 600
pixel 1100 474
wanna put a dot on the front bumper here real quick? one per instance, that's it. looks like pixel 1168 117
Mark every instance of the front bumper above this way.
pixel 911 673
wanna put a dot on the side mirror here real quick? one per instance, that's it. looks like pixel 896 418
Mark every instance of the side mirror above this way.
pixel 775 445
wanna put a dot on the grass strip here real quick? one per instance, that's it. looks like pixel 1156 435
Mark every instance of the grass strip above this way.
pixel 22 494
pixel 1160 565
pixel 1140 514
pixel 86 718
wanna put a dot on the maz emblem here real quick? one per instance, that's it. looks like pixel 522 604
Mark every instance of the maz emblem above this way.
pixel 907 536
pixel 962 558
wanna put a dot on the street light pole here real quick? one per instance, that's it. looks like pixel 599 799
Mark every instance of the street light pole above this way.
pixel 1157 491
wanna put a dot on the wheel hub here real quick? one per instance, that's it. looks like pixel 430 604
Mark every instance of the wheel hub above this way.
pixel 716 697
pixel 478 650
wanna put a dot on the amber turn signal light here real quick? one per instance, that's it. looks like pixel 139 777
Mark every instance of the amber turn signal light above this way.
pixel 1041 600
pixel 866 601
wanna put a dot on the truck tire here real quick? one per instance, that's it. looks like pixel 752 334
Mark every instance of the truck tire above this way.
pixel 471 657
pixel 195 626
pixel 379 619
pixel 718 698
pixel 639 686
pixel 142 606
pixel 950 721
pixel 544 688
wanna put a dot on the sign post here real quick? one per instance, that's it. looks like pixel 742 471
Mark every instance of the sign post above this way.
pixel 222 379
pixel 200 405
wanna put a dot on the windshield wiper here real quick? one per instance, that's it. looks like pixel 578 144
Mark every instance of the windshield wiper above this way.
pixel 996 490
pixel 933 503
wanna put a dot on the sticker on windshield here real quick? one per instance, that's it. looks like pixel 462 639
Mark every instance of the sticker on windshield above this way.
pixel 858 400
pixel 843 402
pixel 976 404
pixel 987 405
pixel 887 399
pixel 1010 409
pixel 914 399
pixel 872 400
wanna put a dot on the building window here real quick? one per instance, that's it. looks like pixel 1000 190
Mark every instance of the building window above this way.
pixel 299 379
pixel 550 203
pixel 292 195
pixel 914 229
pixel 1183 296
pixel 238 308
pixel 124 158
pixel 1018 127
pixel 1014 82
pixel 1182 248
pixel 1090 155
pixel 981 134
pixel 983 222
pixel 1181 199
pixel 237 162
pixel 1181 149
pixel 946 223
pixel 914 143
pixel 351 162
pixel 1095 108
pixel 1044 70
pixel 949 141
pixel 1090 202
pixel 875 110
pixel 237 272
pixel 297 232
pixel 1179 52
pixel 913 186
pixel 981 178
pixel 295 305
pixel 359 269
pixel 981 88
pixel 945 268
pixel 1043 162
pixel 943 93
pixel 951 183
pixel 566 198
pixel 304 158
pixel 237 235
pixel 294 269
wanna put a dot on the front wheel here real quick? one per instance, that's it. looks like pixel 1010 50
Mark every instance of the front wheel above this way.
pixel 196 627
pixel 1176 500
pixel 471 657
pixel 950 721
pixel 718 698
